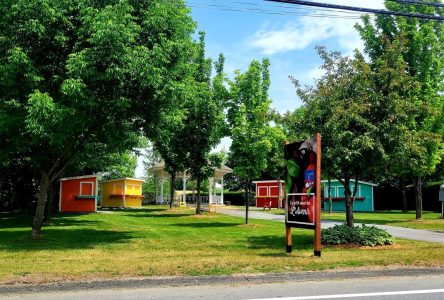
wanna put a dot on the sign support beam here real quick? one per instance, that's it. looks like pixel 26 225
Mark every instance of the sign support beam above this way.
pixel 317 233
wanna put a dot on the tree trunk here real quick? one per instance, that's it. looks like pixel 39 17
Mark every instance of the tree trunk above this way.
pixel 198 210
pixel 48 206
pixel 40 210
pixel 417 183
pixel 355 189
pixel 279 191
pixel 404 197
pixel 348 202
pixel 173 180
pixel 246 201
pixel 330 200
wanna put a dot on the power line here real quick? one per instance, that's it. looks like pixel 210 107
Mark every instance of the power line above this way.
pixel 426 3
pixel 361 9
pixel 285 5
pixel 254 10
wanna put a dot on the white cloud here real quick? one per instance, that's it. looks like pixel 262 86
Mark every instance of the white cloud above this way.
pixel 316 73
pixel 305 31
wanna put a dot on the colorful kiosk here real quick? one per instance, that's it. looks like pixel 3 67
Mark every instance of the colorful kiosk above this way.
pixel 364 200
pixel 270 193
pixel 122 192
pixel 78 194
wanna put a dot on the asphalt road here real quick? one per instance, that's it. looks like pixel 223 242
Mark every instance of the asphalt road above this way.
pixel 392 287
pixel 398 232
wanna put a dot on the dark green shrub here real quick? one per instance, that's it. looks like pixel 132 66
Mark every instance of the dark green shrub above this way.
pixel 365 235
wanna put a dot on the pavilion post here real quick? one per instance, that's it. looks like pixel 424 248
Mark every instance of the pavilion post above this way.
pixel 184 179
pixel 222 192
pixel 161 190
pixel 210 197
pixel 156 179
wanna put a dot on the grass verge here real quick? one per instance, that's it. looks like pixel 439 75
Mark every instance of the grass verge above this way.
pixel 156 241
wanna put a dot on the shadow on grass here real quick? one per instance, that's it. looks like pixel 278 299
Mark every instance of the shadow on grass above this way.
pixel 56 239
pixel 15 220
pixel 274 242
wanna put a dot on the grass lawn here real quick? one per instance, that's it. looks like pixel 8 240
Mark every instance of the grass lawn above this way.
pixel 157 241
pixel 430 220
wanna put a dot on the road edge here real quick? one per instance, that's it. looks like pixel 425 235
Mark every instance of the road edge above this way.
pixel 182 281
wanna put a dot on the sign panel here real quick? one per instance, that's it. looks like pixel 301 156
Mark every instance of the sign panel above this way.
pixel 441 195
pixel 300 183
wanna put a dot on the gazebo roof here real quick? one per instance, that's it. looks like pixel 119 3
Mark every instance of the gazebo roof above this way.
pixel 159 169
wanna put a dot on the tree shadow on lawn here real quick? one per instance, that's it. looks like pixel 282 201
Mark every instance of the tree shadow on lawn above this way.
pixel 300 242
pixel 15 220
pixel 57 239
pixel 20 220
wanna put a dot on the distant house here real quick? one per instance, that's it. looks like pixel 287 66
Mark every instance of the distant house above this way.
pixel 364 200
pixel 122 192
pixel 78 194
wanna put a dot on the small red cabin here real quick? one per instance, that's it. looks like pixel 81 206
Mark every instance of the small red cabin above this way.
pixel 78 194
pixel 267 193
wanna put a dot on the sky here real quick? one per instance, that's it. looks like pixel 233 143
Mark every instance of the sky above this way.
pixel 286 34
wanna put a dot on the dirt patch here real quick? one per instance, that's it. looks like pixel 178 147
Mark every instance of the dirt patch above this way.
pixel 206 216
pixel 357 246
pixel 250 225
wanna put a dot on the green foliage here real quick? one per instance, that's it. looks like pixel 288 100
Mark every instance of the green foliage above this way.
pixel 418 144
pixel 79 78
pixel 248 116
pixel 121 165
pixel 365 236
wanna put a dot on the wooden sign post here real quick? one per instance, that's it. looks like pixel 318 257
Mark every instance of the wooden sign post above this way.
pixel 303 189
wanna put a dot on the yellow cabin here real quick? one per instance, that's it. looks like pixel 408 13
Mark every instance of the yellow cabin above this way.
pixel 122 192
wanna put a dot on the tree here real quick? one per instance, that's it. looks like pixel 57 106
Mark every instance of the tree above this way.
pixel 74 76
pixel 204 121
pixel 248 116
pixel 340 108
pixel 424 56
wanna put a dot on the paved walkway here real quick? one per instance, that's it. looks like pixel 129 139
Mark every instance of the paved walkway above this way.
pixel 399 232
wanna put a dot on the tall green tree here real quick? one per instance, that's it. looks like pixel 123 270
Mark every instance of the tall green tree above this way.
pixel 249 117
pixel 75 75
pixel 424 56
pixel 204 123
pixel 363 115
pixel 339 107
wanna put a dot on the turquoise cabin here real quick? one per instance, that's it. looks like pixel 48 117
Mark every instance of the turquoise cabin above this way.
pixel 364 196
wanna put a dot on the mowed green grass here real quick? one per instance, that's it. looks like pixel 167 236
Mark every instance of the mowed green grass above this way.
pixel 155 241
pixel 430 220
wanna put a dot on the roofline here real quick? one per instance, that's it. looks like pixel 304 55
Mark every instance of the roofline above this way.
pixel 266 181
pixel 79 177
pixel 124 178
pixel 359 181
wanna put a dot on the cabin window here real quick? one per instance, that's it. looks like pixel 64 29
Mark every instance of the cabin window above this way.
pixel 129 189
pixel 118 189
pixel 262 191
pixel 341 191
pixel 86 189
pixel 332 191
